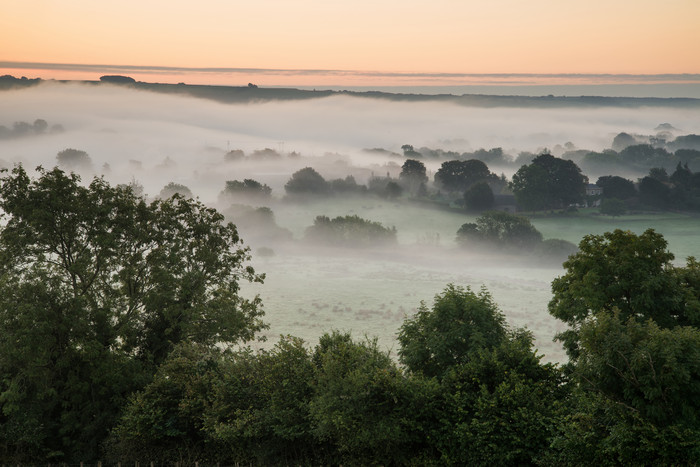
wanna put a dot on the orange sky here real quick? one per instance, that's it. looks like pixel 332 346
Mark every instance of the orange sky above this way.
pixel 454 36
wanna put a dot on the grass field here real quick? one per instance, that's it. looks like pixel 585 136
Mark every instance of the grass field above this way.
pixel 309 291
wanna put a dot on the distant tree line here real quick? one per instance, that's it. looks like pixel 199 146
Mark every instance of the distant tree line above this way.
pixel 21 129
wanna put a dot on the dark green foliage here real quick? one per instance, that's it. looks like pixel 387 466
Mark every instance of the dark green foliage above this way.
pixel 306 182
pixel 352 231
pixel 645 155
pixel 548 183
pixel 629 273
pixel 164 422
pixel 479 197
pixel 459 323
pixel 637 396
pixel 248 188
pixel 413 175
pixel 616 187
pixel 500 229
pixel 500 405
pixel 96 288
pixel 459 175
pixel 613 207
pixel 654 193
pixel 360 403
pixel 261 406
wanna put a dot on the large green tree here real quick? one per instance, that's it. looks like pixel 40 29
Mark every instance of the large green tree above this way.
pixel 459 323
pixel 627 273
pixel 96 287
pixel 548 183
pixel 459 175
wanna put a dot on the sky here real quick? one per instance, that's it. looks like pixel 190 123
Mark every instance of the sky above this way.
pixel 363 41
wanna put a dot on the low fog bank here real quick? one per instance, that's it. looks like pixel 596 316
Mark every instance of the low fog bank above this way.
pixel 156 138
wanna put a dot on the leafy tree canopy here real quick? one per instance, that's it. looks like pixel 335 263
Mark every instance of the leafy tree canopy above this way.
pixel 172 189
pixel 73 159
pixel 616 187
pixel 500 228
pixel 613 207
pixel 459 175
pixel 350 231
pixel 548 183
pixel 459 323
pixel 96 287
pixel 306 181
pixel 479 197
pixel 628 273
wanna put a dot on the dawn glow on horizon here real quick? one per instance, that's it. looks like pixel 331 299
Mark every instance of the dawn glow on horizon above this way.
pixel 414 36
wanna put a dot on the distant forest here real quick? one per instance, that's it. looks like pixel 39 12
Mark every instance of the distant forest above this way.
pixel 252 93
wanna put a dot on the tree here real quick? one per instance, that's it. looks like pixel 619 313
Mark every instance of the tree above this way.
pixel 500 229
pixel 413 175
pixel 459 323
pixel 306 181
pixel 172 189
pixel 459 175
pixel 96 288
pixel 74 159
pixel 248 188
pixel 636 396
pixel 628 274
pixel 549 183
pixel 616 187
pixel 500 405
pixel 352 231
pixel 613 207
pixel 654 192
pixel 479 197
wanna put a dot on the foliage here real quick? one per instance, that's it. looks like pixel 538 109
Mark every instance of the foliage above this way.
pixel 501 405
pixel 413 175
pixel 459 175
pixel 629 273
pixel 74 159
pixel 261 406
pixel 500 228
pixel 172 189
pixel 164 422
pixel 306 181
pixel 352 231
pixel 654 192
pixel 616 187
pixel 613 207
pixel 360 402
pixel 548 183
pixel 479 197
pixel 459 323
pixel 248 188
pixel 96 288
pixel 347 185
pixel 637 396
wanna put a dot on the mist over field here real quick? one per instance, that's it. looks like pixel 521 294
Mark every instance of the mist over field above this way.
pixel 184 139
pixel 153 139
